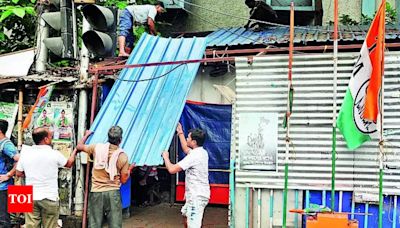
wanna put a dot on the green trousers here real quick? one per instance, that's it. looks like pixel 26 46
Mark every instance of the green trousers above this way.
pixel 45 214
pixel 106 204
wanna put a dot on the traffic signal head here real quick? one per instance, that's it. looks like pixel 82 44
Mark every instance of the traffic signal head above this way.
pixel 61 21
pixel 101 39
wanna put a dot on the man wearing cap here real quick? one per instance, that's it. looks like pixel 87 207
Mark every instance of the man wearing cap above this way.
pixel 136 15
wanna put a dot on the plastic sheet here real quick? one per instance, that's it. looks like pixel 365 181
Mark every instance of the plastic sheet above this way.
pixel 215 120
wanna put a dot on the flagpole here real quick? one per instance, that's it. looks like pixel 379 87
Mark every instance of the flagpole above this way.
pixel 335 65
pixel 381 103
pixel 288 113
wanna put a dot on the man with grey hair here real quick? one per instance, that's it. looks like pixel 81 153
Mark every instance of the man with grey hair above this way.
pixel 110 170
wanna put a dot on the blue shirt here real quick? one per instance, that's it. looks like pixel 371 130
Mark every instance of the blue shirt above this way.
pixel 7 153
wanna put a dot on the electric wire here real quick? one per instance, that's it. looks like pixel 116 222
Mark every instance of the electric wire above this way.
pixel 153 78
pixel 271 23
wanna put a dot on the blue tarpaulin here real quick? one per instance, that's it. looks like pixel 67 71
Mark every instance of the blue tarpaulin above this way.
pixel 215 120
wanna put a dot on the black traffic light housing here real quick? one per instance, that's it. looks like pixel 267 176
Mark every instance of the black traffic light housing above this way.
pixel 62 21
pixel 101 40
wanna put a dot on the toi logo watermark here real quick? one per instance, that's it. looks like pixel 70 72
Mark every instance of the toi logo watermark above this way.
pixel 20 199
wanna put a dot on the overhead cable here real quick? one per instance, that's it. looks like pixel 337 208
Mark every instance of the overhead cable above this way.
pixel 152 78
pixel 266 22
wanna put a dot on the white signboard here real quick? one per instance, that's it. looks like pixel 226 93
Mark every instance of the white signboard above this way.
pixel 258 140
pixel 23 58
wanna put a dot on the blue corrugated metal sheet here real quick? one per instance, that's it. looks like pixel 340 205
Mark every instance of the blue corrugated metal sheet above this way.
pixel 148 111
pixel 278 35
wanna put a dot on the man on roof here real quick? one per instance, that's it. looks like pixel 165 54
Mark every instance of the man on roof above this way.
pixel 135 15
pixel 259 12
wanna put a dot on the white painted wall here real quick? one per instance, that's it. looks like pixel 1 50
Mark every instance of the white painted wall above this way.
pixel 203 90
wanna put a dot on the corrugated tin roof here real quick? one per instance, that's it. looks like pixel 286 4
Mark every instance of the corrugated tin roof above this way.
pixel 37 78
pixel 279 35
pixel 148 110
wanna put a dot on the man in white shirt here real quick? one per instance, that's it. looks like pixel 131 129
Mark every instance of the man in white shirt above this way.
pixel 136 15
pixel 195 164
pixel 39 164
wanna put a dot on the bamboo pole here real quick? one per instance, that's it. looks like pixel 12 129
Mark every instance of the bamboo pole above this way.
pixel 335 65
pixel 20 107
pixel 288 113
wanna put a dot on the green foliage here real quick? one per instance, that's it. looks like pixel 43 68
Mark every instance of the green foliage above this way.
pixel 120 4
pixel 63 63
pixel 142 2
pixel 17 25
pixel 390 16
pixel 138 32
pixel 367 20
pixel 347 20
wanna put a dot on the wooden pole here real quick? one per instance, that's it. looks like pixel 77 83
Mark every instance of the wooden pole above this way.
pixel 20 110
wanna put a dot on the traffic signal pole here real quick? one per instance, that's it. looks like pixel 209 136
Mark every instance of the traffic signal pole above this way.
pixel 41 50
pixel 74 31
pixel 82 119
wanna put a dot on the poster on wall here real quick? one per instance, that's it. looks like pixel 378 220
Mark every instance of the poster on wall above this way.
pixel 57 116
pixel 258 140
pixel 8 111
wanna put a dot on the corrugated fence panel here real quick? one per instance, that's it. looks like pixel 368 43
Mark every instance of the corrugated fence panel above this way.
pixel 262 87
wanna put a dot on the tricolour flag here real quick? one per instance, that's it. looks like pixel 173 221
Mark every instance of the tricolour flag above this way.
pixel 41 100
pixel 360 107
